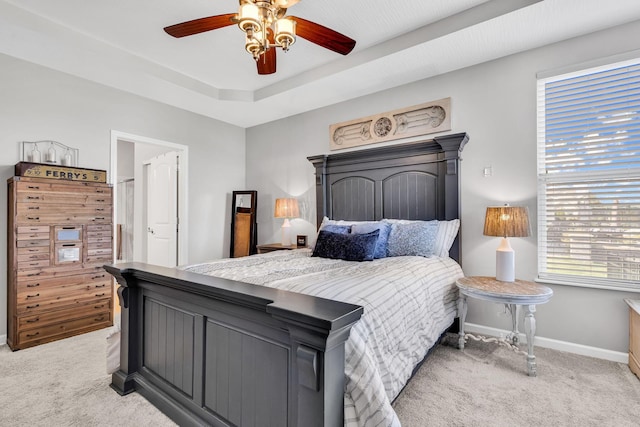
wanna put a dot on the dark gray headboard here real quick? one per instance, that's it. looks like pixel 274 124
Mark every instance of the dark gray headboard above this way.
pixel 418 180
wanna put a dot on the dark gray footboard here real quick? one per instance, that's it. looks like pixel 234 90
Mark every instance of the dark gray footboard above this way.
pixel 210 351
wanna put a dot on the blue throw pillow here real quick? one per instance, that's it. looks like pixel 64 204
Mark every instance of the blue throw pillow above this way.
pixel 349 247
pixel 383 238
pixel 340 229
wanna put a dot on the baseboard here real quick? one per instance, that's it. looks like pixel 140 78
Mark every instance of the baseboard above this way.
pixel 3 339
pixel 583 350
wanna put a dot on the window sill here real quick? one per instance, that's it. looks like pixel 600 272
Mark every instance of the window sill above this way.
pixel 588 285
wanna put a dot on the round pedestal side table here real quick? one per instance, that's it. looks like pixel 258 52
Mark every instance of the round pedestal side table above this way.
pixel 520 293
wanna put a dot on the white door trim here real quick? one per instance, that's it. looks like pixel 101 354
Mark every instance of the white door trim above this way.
pixel 183 184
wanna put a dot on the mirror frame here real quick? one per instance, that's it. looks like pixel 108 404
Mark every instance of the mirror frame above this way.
pixel 253 238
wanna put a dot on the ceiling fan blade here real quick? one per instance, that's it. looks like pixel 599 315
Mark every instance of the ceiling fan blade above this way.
pixel 200 25
pixel 323 36
pixel 267 61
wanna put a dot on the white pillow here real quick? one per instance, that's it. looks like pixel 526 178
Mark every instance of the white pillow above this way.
pixel 447 232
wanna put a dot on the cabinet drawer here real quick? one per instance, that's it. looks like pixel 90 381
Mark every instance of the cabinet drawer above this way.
pixel 60 188
pixel 32 243
pixel 23 209
pixel 107 244
pixel 68 253
pixel 98 234
pixel 32 250
pixel 48 331
pixel 99 227
pixel 35 229
pixel 43 199
pixel 63 218
pixel 60 271
pixel 33 235
pixel 104 252
pixel 37 283
pixel 67 233
pixel 81 310
pixel 38 256
pixel 33 263
pixel 52 298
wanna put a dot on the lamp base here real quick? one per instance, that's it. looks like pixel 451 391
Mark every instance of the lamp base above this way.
pixel 505 262
pixel 286 233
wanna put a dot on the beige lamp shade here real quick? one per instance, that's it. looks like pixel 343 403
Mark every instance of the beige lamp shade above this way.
pixel 507 221
pixel 287 208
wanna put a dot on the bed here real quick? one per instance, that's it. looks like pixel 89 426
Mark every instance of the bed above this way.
pixel 240 342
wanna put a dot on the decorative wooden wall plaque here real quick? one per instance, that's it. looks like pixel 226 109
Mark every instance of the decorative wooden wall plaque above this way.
pixel 422 119
pixel 64 173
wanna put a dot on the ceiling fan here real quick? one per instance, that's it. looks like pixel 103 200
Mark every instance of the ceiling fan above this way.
pixel 266 27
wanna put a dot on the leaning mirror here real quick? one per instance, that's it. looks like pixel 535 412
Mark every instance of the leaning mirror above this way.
pixel 244 228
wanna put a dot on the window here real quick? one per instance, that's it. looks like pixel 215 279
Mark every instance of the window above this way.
pixel 589 177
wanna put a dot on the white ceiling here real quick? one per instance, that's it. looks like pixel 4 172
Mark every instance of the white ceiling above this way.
pixel 121 43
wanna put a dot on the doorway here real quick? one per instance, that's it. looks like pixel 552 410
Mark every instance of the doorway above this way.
pixel 129 153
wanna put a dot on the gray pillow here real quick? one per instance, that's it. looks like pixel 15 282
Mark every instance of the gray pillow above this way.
pixel 412 239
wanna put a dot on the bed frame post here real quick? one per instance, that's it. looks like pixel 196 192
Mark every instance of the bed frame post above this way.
pixel 320 165
pixel 452 146
pixel 122 381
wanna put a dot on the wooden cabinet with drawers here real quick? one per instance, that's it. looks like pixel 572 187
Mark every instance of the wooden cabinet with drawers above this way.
pixel 59 236
pixel 634 336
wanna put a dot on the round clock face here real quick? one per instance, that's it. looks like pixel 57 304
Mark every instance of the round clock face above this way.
pixel 382 126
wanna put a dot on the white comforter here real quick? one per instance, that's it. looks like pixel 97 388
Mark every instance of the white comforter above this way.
pixel 408 302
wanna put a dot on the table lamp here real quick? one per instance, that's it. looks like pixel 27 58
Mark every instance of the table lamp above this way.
pixel 506 221
pixel 286 208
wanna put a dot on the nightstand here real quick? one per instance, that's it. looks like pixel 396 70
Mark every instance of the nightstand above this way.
pixel 512 295
pixel 270 247
pixel 634 335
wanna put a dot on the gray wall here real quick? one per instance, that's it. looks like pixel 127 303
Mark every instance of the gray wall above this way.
pixel 495 103
pixel 40 104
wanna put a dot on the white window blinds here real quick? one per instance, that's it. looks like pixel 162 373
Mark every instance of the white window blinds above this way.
pixel 589 177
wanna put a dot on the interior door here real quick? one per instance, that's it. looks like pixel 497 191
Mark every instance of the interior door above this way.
pixel 162 210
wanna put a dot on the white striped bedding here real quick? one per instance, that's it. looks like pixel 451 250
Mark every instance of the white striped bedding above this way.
pixel 408 302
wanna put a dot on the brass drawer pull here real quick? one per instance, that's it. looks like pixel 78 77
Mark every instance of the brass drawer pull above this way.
pixel 97 307
pixel 33 285
pixel 100 200
pixel 37 319
pixel 101 286
pixel 33 296
pixel 34 218
pixel 98 218
pixel 100 276
pixel 33 197
pixel 33 335
pixel 99 319
pixel 31 208
pixel 33 306
pixel 33 274
pixel 100 295
pixel 33 187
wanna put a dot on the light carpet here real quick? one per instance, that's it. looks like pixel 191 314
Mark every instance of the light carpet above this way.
pixel 64 383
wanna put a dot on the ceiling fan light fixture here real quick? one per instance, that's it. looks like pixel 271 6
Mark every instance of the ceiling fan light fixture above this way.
pixel 254 44
pixel 266 28
pixel 285 30
pixel 249 18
